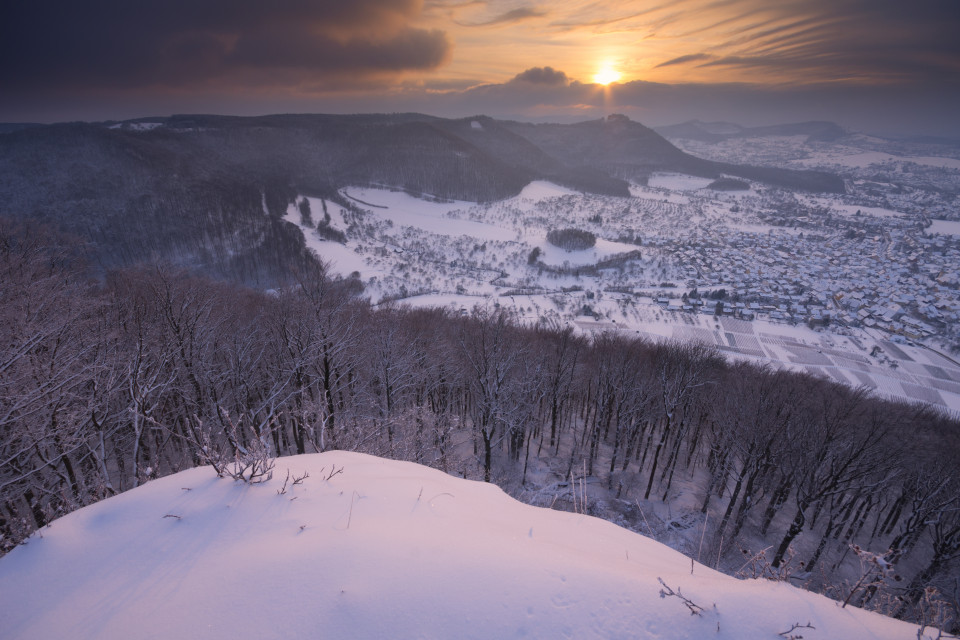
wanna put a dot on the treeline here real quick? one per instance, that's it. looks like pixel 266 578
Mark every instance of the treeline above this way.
pixel 106 385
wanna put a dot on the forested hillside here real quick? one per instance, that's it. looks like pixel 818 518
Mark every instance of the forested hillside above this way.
pixel 136 199
pixel 105 386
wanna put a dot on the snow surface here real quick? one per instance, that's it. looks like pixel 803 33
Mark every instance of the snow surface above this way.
pixel 136 126
pixel 383 549
pixel 866 159
pixel 542 189
pixel 343 258
pixel 944 227
pixel 678 182
pixel 403 209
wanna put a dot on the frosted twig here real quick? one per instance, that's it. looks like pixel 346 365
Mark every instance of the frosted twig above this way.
pixel 350 515
pixel 583 488
pixel 788 634
pixel 695 609
pixel 644 516
pixel 282 490
pixel 706 516
pixel 333 471
pixel 573 490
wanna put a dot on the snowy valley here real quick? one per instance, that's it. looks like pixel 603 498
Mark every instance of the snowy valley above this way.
pixel 860 287
pixel 750 360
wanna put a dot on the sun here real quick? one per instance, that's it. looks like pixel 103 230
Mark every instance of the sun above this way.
pixel 606 76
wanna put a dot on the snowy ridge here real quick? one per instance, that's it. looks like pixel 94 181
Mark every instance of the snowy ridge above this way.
pixel 370 548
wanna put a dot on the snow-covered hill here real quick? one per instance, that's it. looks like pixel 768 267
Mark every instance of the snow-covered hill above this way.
pixel 371 548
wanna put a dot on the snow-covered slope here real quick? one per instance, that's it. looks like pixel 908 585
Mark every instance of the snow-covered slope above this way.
pixel 381 549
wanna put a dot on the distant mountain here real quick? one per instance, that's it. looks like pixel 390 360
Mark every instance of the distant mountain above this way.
pixel 615 145
pixel 628 150
pixel 718 131
pixel 209 192
pixel 524 154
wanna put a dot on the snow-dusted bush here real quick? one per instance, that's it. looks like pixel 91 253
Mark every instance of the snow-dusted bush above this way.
pixel 249 461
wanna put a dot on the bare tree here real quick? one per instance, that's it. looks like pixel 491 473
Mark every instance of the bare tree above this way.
pixel 47 358
pixel 490 361
pixel 839 447
pixel 679 371
pixel 758 418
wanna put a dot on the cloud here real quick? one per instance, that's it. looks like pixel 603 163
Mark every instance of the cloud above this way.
pixel 122 44
pixel 874 109
pixel 875 41
pixel 543 76
pixel 797 41
pixel 510 17
pixel 693 57
pixel 254 56
pixel 406 49
pixel 594 16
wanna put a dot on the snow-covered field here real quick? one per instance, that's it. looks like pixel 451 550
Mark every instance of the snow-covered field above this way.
pixel 866 159
pixel 895 370
pixel 447 219
pixel 371 548
pixel 944 227
pixel 677 182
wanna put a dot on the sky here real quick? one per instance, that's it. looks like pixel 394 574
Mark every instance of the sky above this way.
pixel 884 66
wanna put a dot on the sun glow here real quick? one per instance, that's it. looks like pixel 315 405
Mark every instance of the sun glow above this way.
pixel 606 76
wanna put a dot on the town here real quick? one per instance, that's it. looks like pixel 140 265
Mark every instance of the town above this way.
pixel 741 266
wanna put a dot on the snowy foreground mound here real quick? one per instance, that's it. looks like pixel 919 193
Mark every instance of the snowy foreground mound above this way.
pixel 382 549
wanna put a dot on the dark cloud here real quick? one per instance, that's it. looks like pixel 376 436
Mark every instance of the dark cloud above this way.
pixel 123 43
pixel 693 57
pixel 300 48
pixel 879 41
pixel 512 16
pixel 543 76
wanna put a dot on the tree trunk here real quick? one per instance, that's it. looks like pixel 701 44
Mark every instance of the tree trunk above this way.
pixel 796 527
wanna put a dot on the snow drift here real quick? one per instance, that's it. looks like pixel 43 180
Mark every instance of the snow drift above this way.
pixel 371 548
